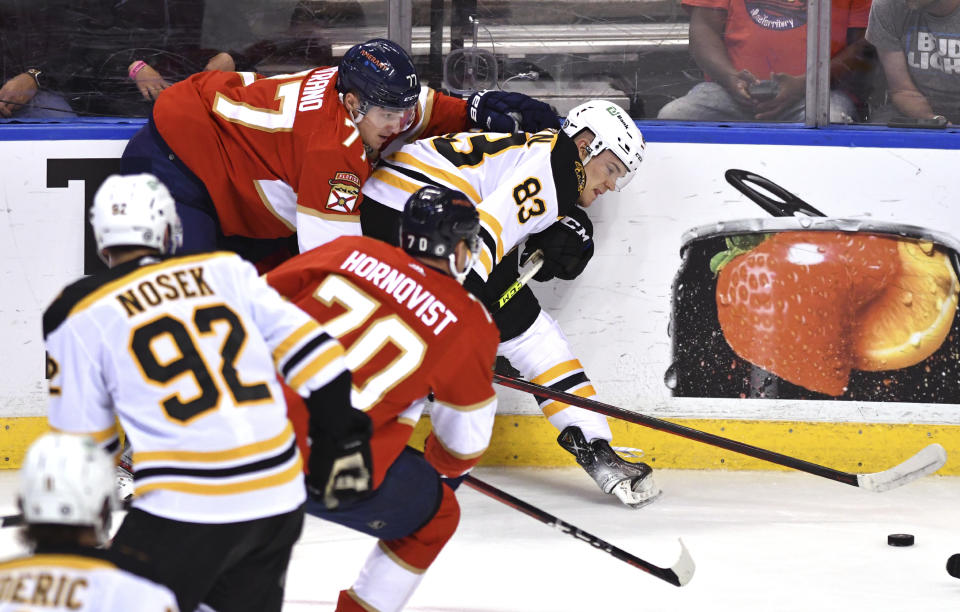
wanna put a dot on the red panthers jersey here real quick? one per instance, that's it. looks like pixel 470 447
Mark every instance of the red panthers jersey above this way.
pixel 408 330
pixel 273 150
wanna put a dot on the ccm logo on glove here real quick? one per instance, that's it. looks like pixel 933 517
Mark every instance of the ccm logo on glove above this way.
pixel 575 225
pixel 567 247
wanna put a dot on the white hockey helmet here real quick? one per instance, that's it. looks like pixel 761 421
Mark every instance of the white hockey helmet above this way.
pixel 135 210
pixel 613 130
pixel 68 480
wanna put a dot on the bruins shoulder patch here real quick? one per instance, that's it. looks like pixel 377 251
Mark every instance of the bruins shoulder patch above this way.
pixel 569 175
pixel 344 189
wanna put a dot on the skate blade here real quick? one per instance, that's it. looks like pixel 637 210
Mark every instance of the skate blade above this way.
pixel 628 496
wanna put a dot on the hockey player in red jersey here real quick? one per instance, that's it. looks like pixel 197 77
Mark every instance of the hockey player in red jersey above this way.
pixel 531 191
pixel 410 330
pixel 248 157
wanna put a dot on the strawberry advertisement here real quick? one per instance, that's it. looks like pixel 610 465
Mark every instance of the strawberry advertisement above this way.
pixel 816 314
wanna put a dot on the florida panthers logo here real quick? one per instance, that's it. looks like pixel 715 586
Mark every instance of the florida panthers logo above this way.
pixel 344 189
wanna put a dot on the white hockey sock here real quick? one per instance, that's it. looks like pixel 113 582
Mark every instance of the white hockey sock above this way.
pixel 386 583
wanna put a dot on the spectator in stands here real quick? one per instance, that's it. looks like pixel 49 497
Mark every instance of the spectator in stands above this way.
pixel 108 58
pixel 918 42
pixel 27 88
pixel 123 54
pixel 739 43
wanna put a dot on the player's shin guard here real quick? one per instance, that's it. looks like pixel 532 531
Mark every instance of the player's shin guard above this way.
pixel 395 568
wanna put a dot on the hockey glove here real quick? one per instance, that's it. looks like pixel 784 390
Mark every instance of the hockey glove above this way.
pixel 510 111
pixel 341 469
pixel 567 246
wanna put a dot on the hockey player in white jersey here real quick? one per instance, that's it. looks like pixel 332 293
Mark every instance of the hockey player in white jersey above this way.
pixel 531 191
pixel 67 498
pixel 185 352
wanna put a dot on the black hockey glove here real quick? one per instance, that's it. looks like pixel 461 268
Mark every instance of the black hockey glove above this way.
pixel 567 246
pixel 510 111
pixel 341 469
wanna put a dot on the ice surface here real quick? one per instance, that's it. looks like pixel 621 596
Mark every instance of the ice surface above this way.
pixel 762 541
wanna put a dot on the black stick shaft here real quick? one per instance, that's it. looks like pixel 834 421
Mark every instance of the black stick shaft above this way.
pixel 12 520
pixel 546 518
pixel 679 430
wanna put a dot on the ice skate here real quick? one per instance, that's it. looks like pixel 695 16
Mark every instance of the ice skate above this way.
pixel 631 483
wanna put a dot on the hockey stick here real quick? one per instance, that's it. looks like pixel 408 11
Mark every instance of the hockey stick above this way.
pixel 678 574
pixel 527 271
pixel 11 520
pixel 927 461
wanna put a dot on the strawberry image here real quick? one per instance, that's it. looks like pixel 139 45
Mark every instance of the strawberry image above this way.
pixel 789 304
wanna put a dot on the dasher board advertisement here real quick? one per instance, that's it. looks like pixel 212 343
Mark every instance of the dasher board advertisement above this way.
pixel 617 314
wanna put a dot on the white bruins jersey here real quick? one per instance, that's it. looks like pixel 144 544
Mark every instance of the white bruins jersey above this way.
pixel 79 583
pixel 185 352
pixel 520 183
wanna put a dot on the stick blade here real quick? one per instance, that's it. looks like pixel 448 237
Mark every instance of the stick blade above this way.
pixel 927 461
pixel 684 568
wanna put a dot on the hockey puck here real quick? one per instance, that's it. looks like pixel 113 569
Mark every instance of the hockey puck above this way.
pixel 953 565
pixel 900 539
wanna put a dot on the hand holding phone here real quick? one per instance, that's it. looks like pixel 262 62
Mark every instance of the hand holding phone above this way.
pixel 761 91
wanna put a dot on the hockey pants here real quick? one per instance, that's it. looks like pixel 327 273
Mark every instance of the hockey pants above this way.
pixel 414 515
pixel 542 355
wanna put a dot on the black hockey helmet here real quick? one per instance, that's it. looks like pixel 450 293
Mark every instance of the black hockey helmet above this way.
pixel 434 220
pixel 381 73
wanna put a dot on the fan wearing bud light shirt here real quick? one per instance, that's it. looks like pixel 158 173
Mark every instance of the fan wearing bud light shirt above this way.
pixel 251 160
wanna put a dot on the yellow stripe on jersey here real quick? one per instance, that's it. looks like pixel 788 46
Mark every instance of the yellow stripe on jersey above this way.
pixel 320 361
pixel 232 488
pixel 140 273
pixel 556 371
pixel 486 261
pixel 384 175
pixel 470 408
pixel 239 452
pixel 64 561
pixel 552 407
pixel 456 181
pixel 496 227
pixel 98 436
pixel 292 340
